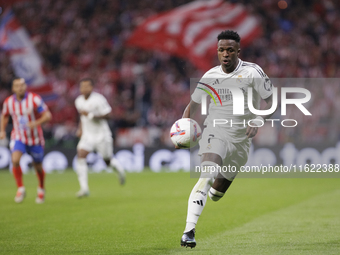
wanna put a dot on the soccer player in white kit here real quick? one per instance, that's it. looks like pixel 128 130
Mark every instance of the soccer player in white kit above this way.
pixel 224 145
pixel 94 133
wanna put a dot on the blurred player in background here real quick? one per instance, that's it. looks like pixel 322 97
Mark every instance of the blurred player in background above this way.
pixel 28 112
pixel 94 133
pixel 224 145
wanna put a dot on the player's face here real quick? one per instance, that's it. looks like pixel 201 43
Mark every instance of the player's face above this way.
pixel 227 51
pixel 86 88
pixel 19 87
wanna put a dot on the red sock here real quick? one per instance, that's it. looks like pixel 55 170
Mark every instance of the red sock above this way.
pixel 18 176
pixel 41 177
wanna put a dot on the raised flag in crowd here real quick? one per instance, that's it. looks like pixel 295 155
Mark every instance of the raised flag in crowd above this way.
pixel 190 31
pixel 25 60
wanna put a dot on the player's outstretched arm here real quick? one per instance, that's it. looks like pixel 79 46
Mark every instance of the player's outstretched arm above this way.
pixel 45 117
pixel 4 122
pixel 252 131
pixel 190 109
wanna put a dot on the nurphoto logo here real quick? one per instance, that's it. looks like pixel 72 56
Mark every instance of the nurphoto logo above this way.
pixel 236 94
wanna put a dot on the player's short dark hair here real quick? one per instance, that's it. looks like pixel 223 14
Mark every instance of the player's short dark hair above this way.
pixel 17 78
pixel 87 79
pixel 229 35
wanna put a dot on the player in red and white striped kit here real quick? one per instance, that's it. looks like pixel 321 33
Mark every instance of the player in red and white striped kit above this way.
pixel 28 112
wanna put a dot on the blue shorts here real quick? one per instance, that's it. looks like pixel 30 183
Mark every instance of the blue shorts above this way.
pixel 36 151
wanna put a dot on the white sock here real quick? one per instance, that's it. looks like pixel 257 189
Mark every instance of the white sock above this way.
pixel 21 189
pixel 215 195
pixel 82 174
pixel 40 190
pixel 198 198
pixel 116 165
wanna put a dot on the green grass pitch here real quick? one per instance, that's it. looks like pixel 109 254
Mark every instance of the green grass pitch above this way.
pixel 147 216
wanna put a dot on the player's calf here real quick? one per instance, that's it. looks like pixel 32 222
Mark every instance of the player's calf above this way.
pixel 215 195
pixel 219 188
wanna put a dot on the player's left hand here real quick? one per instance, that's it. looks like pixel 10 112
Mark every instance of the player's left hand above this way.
pixel 251 131
pixel 32 124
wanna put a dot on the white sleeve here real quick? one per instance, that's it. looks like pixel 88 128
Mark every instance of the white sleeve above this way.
pixel 198 93
pixel 202 87
pixel 76 103
pixel 103 106
pixel 262 84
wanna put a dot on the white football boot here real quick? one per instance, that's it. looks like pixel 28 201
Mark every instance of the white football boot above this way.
pixel 21 194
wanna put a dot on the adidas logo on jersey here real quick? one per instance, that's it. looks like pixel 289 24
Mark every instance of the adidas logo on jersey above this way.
pixel 216 82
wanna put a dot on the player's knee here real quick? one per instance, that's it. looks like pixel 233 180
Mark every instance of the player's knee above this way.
pixel 209 170
pixel 16 163
pixel 215 195
pixel 80 156
pixel 38 167
pixel 82 153
pixel 16 159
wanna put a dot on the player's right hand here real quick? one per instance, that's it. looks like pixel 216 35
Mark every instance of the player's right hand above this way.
pixel 78 132
pixel 251 131
pixel 2 135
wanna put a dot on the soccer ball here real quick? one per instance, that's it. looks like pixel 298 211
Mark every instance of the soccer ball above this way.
pixel 185 133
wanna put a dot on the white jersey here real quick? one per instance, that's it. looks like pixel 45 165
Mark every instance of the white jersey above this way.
pixel 245 75
pixel 95 104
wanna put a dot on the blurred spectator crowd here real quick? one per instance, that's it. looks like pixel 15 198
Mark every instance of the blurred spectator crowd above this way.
pixel 85 38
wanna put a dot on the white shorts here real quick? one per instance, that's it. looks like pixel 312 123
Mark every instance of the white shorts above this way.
pixel 103 146
pixel 232 154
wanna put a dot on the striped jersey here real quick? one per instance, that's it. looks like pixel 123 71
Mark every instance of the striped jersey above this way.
pixel 22 112
pixel 216 82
